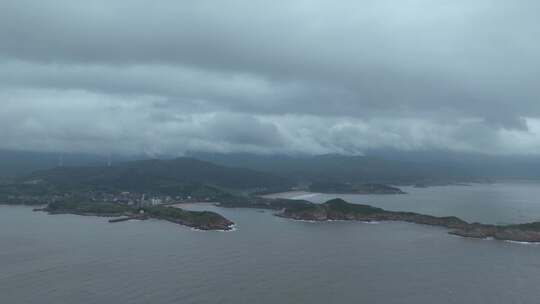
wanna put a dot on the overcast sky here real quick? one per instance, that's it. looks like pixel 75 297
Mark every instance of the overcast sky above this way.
pixel 270 76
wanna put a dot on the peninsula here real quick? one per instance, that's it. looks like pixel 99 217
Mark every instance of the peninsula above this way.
pixel 338 209
pixel 203 220
pixel 349 188
pixel 146 189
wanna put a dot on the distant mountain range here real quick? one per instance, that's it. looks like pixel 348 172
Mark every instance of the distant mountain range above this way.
pixel 164 176
pixel 387 166
pixel 275 171
pixel 340 168
pixel 20 163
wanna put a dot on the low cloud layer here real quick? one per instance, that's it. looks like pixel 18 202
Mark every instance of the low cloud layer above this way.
pixel 313 77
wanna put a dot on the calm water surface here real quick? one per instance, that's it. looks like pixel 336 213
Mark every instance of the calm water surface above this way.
pixel 73 259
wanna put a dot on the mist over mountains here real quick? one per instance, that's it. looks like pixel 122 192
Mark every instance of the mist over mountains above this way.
pixel 161 176
pixel 385 166
pixel 20 163
pixel 342 168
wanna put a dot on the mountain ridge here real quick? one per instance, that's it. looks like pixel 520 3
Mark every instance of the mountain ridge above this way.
pixel 156 175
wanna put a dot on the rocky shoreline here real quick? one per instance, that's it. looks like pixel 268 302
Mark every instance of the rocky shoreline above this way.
pixel 217 222
pixel 516 233
pixel 201 220
pixel 338 209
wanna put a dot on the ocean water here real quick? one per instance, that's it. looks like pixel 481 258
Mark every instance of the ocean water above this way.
pixel 73 259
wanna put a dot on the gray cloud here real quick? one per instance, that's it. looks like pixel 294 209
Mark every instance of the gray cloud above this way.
pixel 269 77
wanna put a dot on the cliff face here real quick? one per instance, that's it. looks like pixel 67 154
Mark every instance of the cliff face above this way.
pixel 338 209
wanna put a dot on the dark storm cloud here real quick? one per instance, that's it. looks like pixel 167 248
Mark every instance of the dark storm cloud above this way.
pixel 268 76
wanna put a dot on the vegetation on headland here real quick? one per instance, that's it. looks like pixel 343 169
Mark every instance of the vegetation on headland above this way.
pixel 135 190
pixel 262 203
pixel 114 191
pixel 204 220
pixel 43 191
pixel 89 208
pixel 338 209
pixel 349 188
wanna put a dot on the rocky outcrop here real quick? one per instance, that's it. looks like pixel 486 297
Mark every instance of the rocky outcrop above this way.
pixel 202 220
pixel 509 233
pixel 338 209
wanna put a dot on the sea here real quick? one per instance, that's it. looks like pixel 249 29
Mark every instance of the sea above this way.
pixel 267 259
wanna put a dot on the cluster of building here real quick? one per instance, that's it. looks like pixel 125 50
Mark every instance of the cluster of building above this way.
pixel 136 199
pixel 128 198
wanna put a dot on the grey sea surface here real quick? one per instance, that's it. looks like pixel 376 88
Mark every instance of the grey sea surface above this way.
pixel 75 259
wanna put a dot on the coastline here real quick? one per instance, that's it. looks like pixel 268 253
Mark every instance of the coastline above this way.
pixel 203 220
pixel 338 209
pixel 301 210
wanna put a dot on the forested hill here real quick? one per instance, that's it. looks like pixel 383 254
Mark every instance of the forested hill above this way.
pixel 157 175
pixel 342 168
